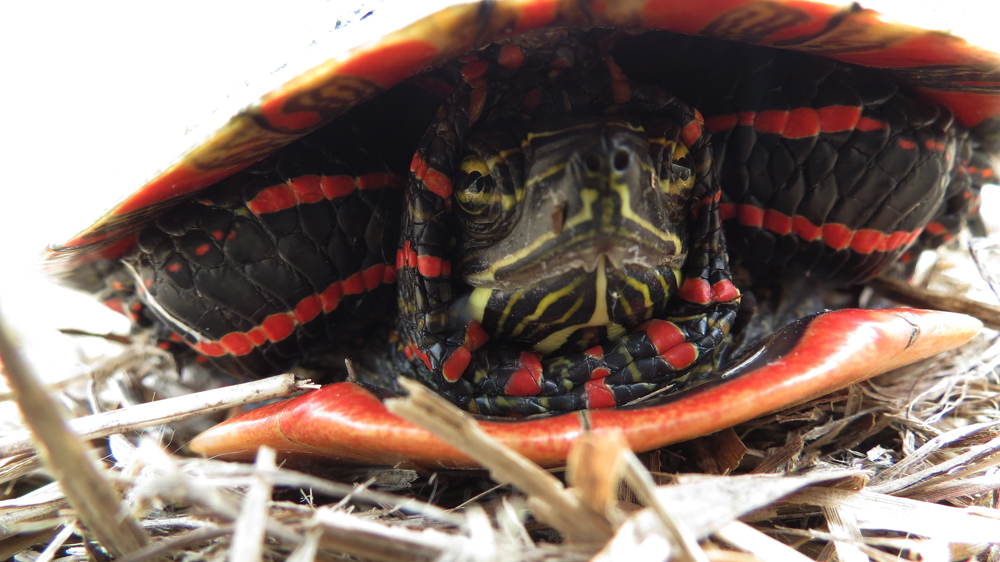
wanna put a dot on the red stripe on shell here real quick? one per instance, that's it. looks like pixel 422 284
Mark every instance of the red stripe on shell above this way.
pixel 308 309
pixel 236 343
pixel 866 240
pixel 691 132
pixel 272 200
pixel 353 285
pixel 719 123
pixel 777 222
pixel 867 124
pixel 770 121
pixel 748 215
pixel 805 229
pixel 803 122
pixel 306 189
pixel 837 118
pixel 837 236
pixel 330 298
pixel 278 326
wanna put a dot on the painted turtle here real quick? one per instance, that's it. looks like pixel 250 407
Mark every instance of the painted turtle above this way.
pixel 521 204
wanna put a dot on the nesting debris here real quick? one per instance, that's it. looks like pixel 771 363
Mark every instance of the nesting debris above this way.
pixel 904 466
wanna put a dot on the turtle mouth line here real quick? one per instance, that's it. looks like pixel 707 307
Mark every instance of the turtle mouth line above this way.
pixel 619 251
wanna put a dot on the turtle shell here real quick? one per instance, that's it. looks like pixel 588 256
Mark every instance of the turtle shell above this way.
pixel 938 67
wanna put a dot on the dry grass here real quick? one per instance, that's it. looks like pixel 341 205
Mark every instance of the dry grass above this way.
pixel 900 467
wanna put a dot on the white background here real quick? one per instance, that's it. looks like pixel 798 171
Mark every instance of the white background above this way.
pixel 96 96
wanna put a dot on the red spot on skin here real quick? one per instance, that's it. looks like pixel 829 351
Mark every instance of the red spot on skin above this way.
pixel 662 334
pixel 272 199
pixel 746 118
pixel 837 118
pixel 202 250
pixel 599 373
pixel 308 308
pixel 237 343
pixel 727 211
pixel 690 133
pixel 278 326
pixel 776 222
pixel 400 258
pixel 163 345
pixel 117 285
pixel 353 285
pixel 725 291
pixel 935 228
pixel 535 15
pixel 455 365
pixel 336 186
pixel 136 306
pixel 718 123
pixel 896 239
pixel 372 180
pixel 438 183
pixel 211 349
pixel 372 276
pixel 621 92
pixel 866 124
pixel 257 336
pixel 929 144
pixel 598 395
pixel 477 101
pixel 866 240
pixel 805 229
pixel 474 70
pixel 770 122
pixel 231 236
pixel 411 256
pixel 218 235
pixel 115 304
pixel 429 266
pixel 532 99
pixel 173 268
pixel 908 145
pixel 389 275
pixel 147 282
pixel 510 57
pixel 415 161
pixel 802 123
pixel 681 356
pixel 526 381
pixel 306 189
pixel 475 336
pixel 597 352
pixel 696 290
pixel 939 146
pixel 330 298
pixel 987 173
pixel 201 359
pixel 837 236
pixel 749 215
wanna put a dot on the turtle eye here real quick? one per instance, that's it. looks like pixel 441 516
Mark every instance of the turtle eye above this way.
pixel 477 196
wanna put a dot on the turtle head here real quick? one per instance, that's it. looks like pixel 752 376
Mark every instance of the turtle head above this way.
pixel 571 224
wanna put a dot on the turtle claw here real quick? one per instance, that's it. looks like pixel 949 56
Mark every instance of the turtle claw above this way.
pixel 802 361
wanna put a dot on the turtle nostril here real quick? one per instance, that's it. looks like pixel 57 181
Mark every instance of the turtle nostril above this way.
pixel 621 160
pixel 593 163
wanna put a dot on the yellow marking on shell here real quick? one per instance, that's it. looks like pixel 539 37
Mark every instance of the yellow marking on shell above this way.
pixel 547 301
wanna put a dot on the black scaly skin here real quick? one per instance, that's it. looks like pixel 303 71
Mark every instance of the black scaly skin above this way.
pixel 241 280
pixel 829 177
